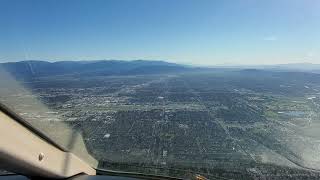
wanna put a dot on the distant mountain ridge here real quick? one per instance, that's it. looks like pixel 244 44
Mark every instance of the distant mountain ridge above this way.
pixel 32 68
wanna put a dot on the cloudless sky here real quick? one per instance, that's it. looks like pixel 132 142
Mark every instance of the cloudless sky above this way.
pixel 183 31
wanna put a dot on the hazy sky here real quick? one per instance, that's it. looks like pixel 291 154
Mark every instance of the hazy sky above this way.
pixel 183 31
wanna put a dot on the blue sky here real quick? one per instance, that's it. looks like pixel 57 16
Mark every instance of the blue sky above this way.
pixel 203 32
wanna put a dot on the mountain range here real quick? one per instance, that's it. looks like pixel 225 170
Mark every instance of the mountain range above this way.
pixel 34 68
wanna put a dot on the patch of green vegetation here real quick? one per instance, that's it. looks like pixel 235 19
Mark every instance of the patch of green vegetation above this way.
pixel 167 136
pixel 271 114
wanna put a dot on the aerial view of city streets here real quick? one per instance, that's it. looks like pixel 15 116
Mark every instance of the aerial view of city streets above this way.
pixel 224 123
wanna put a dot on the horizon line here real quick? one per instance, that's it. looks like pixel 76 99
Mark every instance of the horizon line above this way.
pixel 181 63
